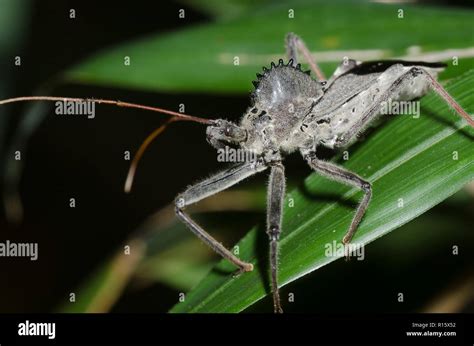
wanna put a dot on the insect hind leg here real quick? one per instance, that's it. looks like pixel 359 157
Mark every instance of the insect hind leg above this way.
pixel 438 88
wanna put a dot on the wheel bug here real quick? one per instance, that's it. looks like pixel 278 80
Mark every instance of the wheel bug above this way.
pixel 291 111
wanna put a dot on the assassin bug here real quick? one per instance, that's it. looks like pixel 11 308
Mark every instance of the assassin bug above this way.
pixel 291 111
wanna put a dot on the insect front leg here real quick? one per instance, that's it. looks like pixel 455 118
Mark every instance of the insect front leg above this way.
pixel 276 194
pixel 209 187
pixel 342 175
pixel 295 43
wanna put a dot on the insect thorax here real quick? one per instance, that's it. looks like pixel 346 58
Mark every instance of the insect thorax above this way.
pixel 283 96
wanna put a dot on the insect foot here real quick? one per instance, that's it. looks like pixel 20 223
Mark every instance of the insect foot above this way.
pixel 247 268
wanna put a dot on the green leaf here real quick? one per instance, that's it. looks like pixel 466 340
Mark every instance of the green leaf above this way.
pixel 413 165
pixel 201 58
pixel 224 9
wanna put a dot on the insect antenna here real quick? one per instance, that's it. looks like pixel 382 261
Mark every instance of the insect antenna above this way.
pixel 133 166
pixel 178 116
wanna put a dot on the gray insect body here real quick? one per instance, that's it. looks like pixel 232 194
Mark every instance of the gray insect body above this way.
pixel 291 111
pixel 284 95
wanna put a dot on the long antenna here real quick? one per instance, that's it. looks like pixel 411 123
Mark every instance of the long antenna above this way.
pixel 133 166
pixel 140 152
pixel 179 116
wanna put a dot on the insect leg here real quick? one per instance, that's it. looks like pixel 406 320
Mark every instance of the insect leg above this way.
pixel 438 88
pixel 276 194
pixel 342 175
pixel 294 43
pixel 211 186
pixel 398 84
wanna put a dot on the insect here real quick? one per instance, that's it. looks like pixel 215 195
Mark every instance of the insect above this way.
pixel 291 112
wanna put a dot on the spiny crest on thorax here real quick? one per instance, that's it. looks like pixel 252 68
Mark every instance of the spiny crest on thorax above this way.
pixel 284 89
